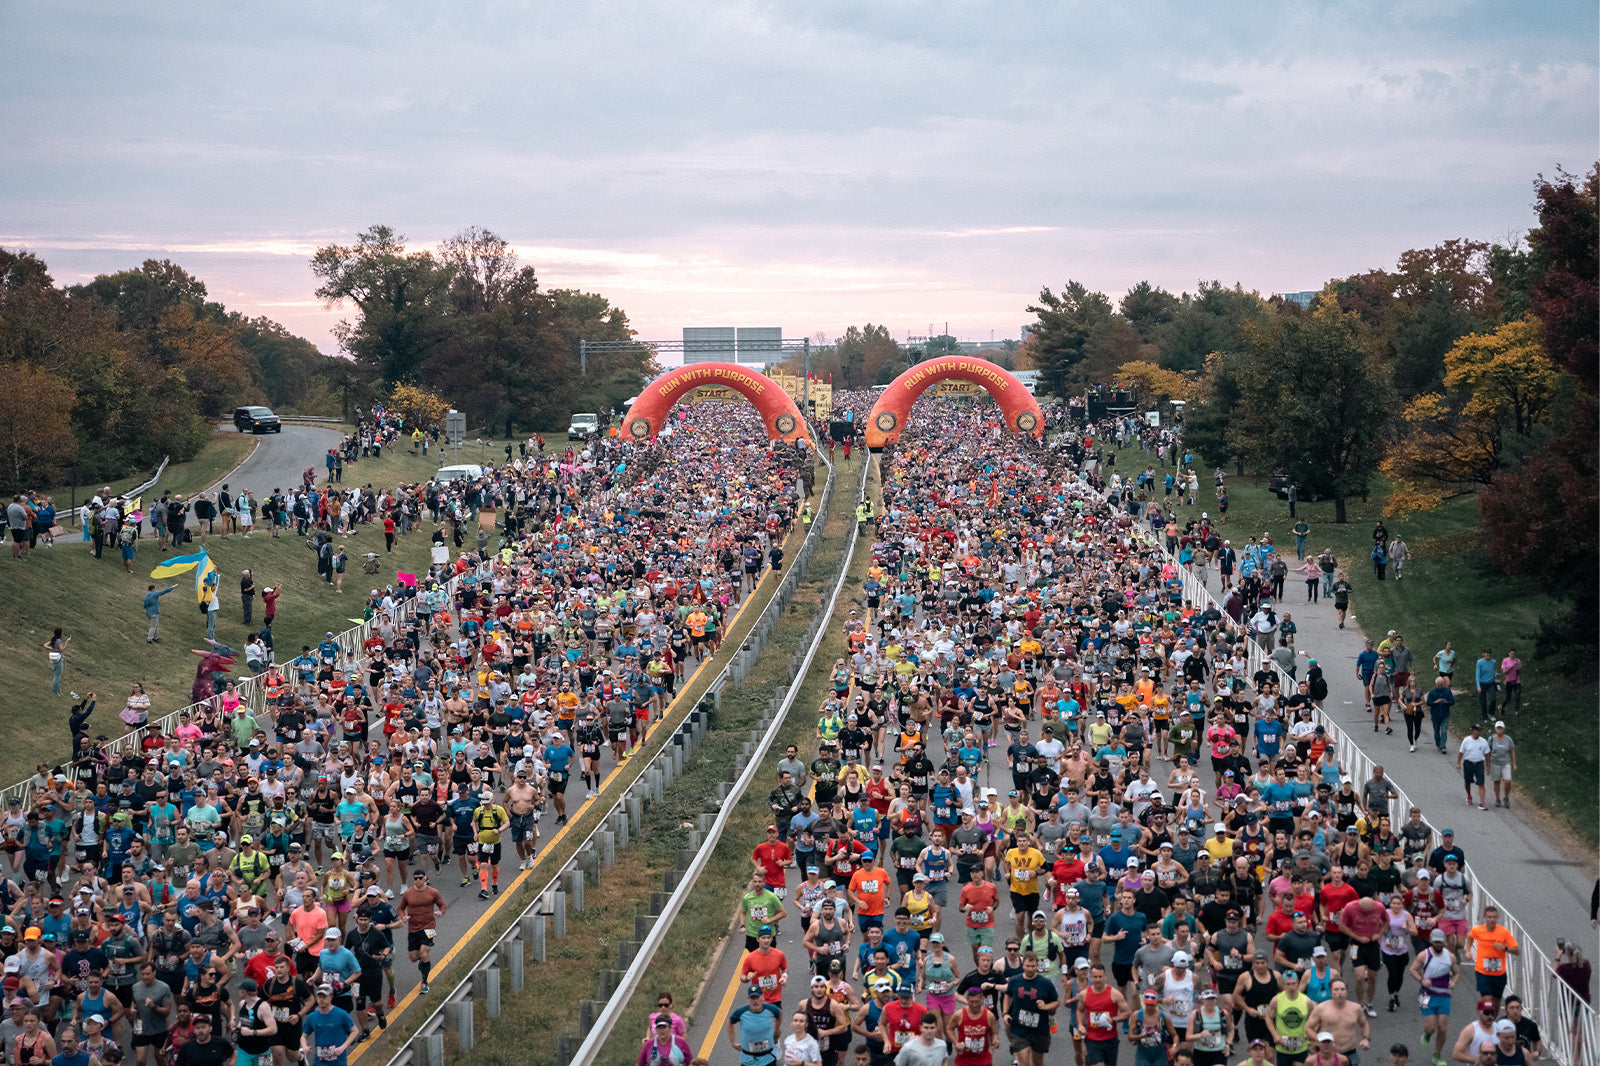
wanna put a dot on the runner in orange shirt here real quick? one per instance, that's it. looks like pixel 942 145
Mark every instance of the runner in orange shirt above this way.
pixel 1491 943
pixel 765 967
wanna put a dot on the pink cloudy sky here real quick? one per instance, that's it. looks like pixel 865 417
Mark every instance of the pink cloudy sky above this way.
pixel 803 165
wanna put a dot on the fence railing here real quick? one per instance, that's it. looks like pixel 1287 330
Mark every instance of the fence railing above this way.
pixel 1568 1023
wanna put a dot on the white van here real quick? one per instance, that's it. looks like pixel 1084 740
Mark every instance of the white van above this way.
pixel 470 471
pixel 583 426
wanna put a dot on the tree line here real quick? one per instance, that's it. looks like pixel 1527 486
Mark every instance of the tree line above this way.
pixel 1467 369
pixel 103 379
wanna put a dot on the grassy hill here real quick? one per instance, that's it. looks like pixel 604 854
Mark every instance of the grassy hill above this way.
pixel 101 607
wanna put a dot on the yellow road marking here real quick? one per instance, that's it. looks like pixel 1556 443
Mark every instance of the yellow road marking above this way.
pixel 720 1018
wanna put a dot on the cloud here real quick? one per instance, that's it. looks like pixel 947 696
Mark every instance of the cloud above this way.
pixel 810 164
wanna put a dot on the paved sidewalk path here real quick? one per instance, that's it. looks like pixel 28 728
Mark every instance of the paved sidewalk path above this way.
pixel 1540 879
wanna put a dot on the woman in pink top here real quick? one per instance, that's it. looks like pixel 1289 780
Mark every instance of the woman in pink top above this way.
pixel 1511 668
pixel 309 921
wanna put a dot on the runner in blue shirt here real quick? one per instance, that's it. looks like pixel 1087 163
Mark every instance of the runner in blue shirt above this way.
pixel 557 757
pixel 752 1030
pixel 327 1032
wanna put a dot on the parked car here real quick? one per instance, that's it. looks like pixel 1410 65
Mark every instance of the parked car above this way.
pixel 256 420
pixel 583 426
pixel 1279 484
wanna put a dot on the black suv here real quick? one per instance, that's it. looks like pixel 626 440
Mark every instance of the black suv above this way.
pixel 256 420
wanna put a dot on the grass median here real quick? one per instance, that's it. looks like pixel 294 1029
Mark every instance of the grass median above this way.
pixel 1451 591
pixel 569 973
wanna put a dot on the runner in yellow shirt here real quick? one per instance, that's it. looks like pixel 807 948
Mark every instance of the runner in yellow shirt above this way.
pixel 489 820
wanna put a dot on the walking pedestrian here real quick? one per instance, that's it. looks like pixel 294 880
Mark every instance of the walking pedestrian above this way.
pixel 1300 530
pixel 1502 763
pixel 1341 596
pixel 1470 759
pixel 1511 672
pixel 152 610
pixel 1312 574
pixel 1439 700
pixel 1487 678
pixel 1399 552
pixel 1329 565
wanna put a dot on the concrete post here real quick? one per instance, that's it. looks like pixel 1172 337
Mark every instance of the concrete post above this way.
pixel 491 991
pixel 635 808
pixel 433 1049
pixel 705 822
pixel 574 879
pixel 619 827
pixel 558 915
pixel 464 1020
pixel 534 927
pixel 513 958
pixel 608 850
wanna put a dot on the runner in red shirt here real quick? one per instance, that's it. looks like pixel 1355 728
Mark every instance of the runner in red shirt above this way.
pixel 974 1031
pixel 774 858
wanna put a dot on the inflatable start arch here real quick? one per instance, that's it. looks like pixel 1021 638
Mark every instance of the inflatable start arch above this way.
pixel 888 415
pixel 778 412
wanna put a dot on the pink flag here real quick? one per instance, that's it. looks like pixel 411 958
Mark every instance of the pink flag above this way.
pixel 408 580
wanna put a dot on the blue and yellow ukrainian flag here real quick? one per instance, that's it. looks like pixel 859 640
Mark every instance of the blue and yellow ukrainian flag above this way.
pixel 178 564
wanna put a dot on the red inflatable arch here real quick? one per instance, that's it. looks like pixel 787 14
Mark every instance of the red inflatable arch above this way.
pixel 778 412
pixel 888 415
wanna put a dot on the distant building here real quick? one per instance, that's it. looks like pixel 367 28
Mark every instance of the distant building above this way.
pixel 1302 298
pixel 733 344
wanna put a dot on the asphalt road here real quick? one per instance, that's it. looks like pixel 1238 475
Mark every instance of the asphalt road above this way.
pixel 280 458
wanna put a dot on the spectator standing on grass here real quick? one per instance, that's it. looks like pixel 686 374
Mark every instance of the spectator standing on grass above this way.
pixel 152 610
pixel 247 595
pixel 1511 671
pixel 1399 552
pixel 56 649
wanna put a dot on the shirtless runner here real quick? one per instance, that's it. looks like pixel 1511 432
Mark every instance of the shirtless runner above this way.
pixel 522 802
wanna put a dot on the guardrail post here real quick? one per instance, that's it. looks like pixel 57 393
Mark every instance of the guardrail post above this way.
pixel 433 1049
pixel 575 890
pixel 566 1049
pixel 608 850
pixel 635 807
pixel 558 914
pixel 513 959
pixel 705 822
pixel 491 991
pixel 464 1020
pixel 533 931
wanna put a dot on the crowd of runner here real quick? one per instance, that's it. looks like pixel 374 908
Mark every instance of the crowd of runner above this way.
pixel 242 883
pixel 1153 852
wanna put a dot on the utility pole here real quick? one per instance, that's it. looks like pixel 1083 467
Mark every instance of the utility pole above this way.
pixel 583 358
pixel 807 407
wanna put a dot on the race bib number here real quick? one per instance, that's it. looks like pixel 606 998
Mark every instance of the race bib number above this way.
pixel 980 917
pixel 769 982
pixel 760 1047
pixel 281 1013
pixel 1025 875
pixel 1493 966
pixel 759 913
pixel 1291 1045
pixel 1100 1019
pixel 327 1054
pixel 1028 1019
pixel 975 1044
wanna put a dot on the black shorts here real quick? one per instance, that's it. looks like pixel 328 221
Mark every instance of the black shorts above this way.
pixel 1024 903
pixel 419 939
pixel 1101 1051
pixel 1337 941
pixel 557 784
pixel 489 853
pixel 369 988
pixel 459 844
pixel 1122 973
pixel 1472 772
pixel 1098 930
pixel 1029 1039
pixel 287 1036
pixel 398 856
pixel 150 1039
pixel 1368 955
